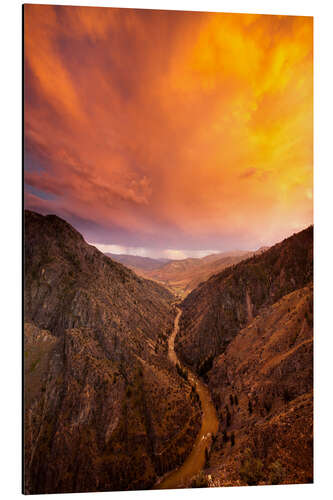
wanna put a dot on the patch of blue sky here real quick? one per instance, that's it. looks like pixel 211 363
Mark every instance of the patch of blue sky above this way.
pixel 39 193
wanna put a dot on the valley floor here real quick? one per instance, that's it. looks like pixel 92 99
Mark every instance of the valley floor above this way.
pixel 195 462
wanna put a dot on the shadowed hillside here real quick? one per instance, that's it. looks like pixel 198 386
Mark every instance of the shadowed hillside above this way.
pixel 104 408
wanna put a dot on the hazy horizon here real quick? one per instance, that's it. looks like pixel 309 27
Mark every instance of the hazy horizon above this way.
pixel 175 254
pixel 168 253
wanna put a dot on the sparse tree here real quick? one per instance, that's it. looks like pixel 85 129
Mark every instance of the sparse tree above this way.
pixel 228 418
pixel 277 472
pixel 251 470
pixel 250 407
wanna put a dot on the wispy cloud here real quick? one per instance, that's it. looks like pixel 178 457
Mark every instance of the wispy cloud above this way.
pixel 168 253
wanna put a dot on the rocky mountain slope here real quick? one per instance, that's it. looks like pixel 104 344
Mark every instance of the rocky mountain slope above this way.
pixel 263 389
pixel 104 408
pixel 249 332
pixel 215 311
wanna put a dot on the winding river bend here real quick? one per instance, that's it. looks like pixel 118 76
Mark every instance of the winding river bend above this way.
pixel 194 463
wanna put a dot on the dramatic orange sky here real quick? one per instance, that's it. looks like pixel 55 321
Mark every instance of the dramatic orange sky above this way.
pixel 169 133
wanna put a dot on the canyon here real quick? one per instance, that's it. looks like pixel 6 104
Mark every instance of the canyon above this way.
pixel 159 376
pixel 248 332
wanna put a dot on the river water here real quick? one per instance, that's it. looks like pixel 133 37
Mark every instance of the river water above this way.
pixel 194 463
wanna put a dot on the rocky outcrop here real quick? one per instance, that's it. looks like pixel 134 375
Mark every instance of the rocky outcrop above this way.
pixel 102 402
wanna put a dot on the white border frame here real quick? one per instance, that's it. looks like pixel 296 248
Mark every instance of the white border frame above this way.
pixel 10 365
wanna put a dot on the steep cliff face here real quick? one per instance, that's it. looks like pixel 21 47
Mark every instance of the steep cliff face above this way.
pixel 262 386
pixel 100 393
pixel 214 312
pixel 69 284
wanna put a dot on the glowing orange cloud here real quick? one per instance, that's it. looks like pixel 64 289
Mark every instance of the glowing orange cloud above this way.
pixel 174 130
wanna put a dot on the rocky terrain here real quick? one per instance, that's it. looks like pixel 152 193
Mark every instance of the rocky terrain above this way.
pixel 249 333
pixel 263 390
pixel 215 311
pixel 104 407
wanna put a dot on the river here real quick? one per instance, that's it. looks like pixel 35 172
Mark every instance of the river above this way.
pixel 194 463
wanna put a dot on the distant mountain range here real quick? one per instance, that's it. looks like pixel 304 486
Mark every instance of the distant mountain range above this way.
pixel 138 262
pixel 183 275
